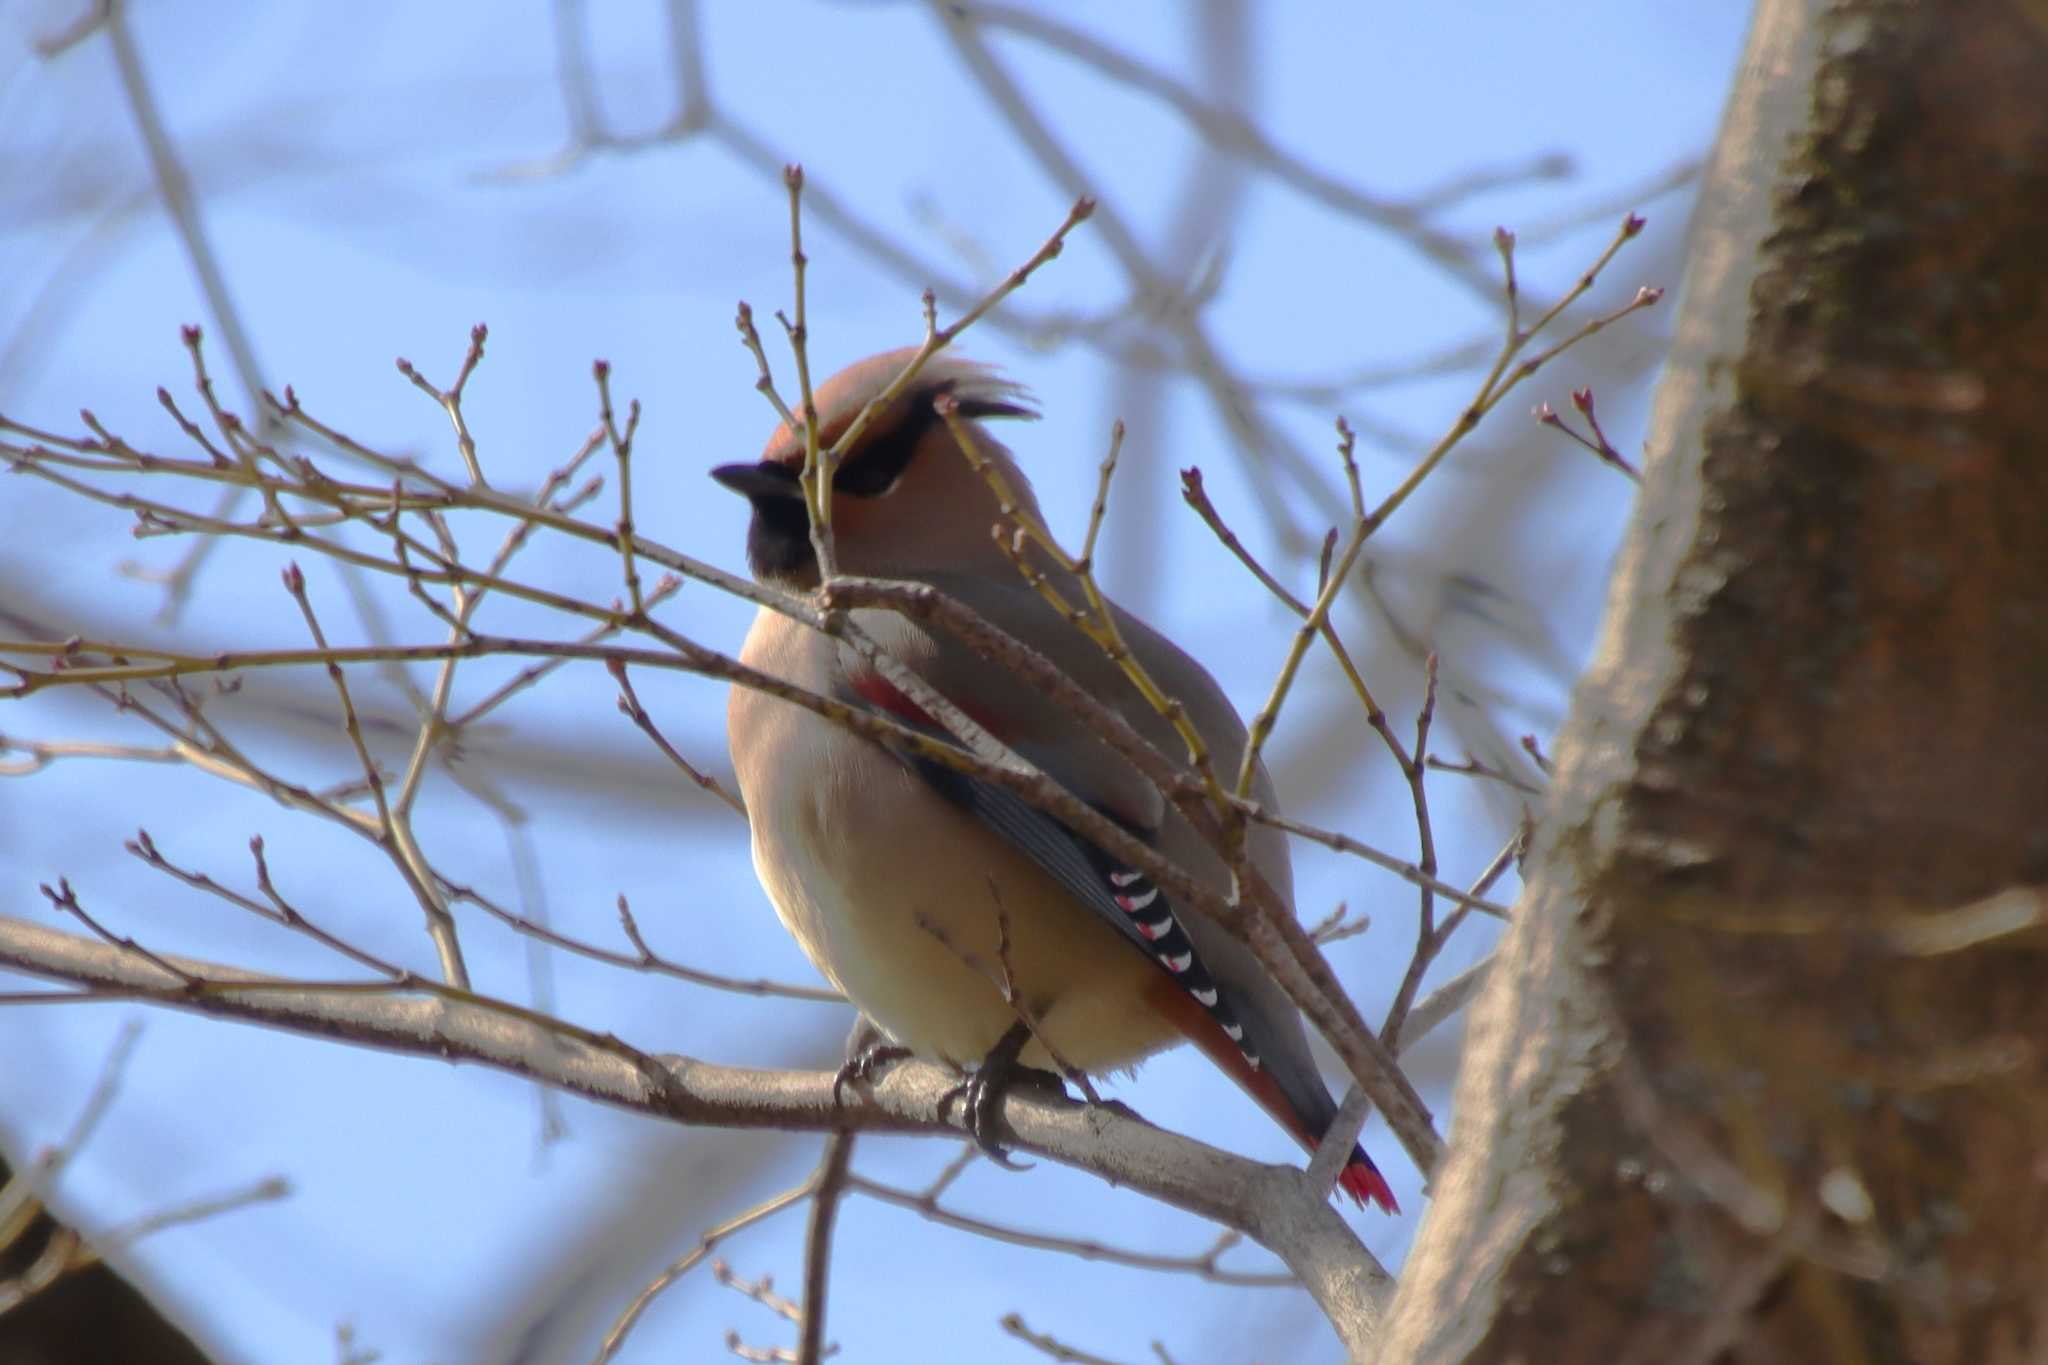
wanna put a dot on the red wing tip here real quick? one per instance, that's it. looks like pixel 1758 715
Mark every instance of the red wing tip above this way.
pixel 1364 1183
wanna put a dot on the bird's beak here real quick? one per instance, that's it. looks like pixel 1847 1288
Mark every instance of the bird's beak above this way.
pixel 768 479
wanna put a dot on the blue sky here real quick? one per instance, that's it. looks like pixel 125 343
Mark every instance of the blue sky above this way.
pixel 375 179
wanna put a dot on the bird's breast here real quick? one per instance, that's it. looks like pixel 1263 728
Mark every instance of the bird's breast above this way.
pixel 919 913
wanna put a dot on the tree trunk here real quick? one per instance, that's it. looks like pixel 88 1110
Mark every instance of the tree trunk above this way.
pixel 1763 1073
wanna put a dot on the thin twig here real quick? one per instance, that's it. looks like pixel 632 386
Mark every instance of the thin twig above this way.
pixel 450 399
pixel 1598 444
pixel 645 959
pixel 629 705
pixel 828 1185
pixel 761 1291
pixel 1441 1003
pixel 89 21
pixel 174 188
pixel 688 1261
pixel 295 584
pixel 926 1204
pixel 1501 379
pixel 394 818
pixel 41 754
pixel 1093 617
pixel 1234 134
pixel 936 338
pixel 1417 774
pixel 1472 767
pixel 621 441
pixel 1429 945
pixel 265 1191
pixel 64 898
pixel 278 911
pixel 1014 1325
pixel 819 464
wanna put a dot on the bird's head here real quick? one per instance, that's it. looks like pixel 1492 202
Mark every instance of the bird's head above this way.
pixel 904 496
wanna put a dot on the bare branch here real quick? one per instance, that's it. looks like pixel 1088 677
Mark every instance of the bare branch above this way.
pixel 828 1185
pixel 647 959
pixel 926 1204
pixel 1271 1204
pixel 1046 1344
pixel 629 704
pixel 450 399
pixel 1239 136
pixel 609 1348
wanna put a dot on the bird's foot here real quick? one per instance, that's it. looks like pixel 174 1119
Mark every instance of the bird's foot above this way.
pixel 868 1053
pixel 866 1058
pixel 981 1094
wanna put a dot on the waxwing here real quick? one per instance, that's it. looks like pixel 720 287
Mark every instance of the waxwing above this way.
pixel 898 874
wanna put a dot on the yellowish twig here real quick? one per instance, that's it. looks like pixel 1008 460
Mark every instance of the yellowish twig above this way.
pixel 1095 619
pixel 816 477
pixel 937 338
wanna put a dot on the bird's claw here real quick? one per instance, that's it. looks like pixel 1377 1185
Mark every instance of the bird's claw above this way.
pixel 863 1065
pixel 981 1095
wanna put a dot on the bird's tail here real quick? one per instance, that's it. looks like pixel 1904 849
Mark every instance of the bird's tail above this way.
pixel 1299 1104
pixel 1364 1183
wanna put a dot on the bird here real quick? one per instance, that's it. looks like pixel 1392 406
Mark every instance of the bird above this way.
pixel 968 926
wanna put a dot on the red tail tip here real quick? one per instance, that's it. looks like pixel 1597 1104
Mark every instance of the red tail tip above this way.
pixel 1364 1183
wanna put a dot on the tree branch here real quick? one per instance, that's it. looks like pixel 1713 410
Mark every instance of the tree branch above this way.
pixel 1273 1205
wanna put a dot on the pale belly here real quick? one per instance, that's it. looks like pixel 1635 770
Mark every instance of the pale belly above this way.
pixel 902 901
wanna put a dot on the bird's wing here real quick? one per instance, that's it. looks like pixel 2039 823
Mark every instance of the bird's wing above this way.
pixel 1119 894
pixel 1216 995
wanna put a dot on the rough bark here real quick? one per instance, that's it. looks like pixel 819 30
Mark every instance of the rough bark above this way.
pixel 1763 1071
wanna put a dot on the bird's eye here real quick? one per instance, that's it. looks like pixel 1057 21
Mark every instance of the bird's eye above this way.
pixel 863 482
pixel 879 463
